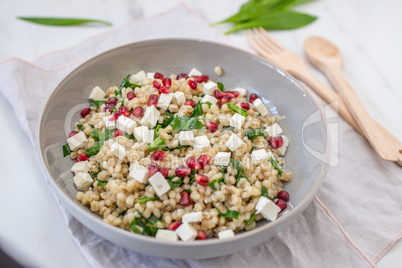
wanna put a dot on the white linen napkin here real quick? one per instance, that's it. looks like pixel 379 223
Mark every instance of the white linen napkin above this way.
pixel 354 219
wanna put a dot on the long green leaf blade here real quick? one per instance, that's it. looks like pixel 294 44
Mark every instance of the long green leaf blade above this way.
pixel 62 21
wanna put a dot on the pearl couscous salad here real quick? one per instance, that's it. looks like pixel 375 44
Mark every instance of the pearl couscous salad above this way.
pixel 179 157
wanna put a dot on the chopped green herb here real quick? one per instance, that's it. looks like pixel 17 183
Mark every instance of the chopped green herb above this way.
pixel 62 21
pixel 174 182
pixel 80 126
pixel 197 110
pixel 97 103
pixel 209 104
pixel 129 136
pixel 240 170
pixel 229 214
pixel 212 183
pixel 156 144
pixel 254 133
pixel 220 86
pixel 116 92
pixel 251 220
pixel 228 128
pixel 146 199
pixel 101 183
pixel 95 134
pixel 186 123
pixel 237 109
pixel 145 226
pixel 264 191
pixel 157 127
pixel 276 165
pixel 126 84
pixel 169 117
pixel 66 150
pixel 122 213
pixel 167 149
pixel 192 176
pixel 99 138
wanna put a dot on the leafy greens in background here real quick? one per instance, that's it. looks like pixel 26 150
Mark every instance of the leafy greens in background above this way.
pixel 62 21
pixel 269 14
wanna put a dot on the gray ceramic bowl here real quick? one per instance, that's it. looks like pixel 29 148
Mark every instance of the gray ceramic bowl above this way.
pixel 173 57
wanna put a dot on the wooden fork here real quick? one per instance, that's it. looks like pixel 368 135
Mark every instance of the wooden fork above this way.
pixel 285 59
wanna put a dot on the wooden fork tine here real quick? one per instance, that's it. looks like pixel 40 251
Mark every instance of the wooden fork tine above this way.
pixel 257 44
pixel 265 35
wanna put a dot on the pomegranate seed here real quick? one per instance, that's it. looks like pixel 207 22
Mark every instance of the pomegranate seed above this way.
pixel 201 235
pixel 218 94
pixel 138 111
pixel 204 160
pixel 185 199
pixel 190 102
pixel 192 84
pixel 114 116
pixel 124 111
pixel 283 195
pixel 253 97
pixel 72 133
pixel 245 106
pixel 85 112
pixel 230 94
pixel 202 78
pixel 159 76
pixel 112 101
pixel 156 84
pixel 167 82
pixel 225 99
pixel 211 126
pixel 153 100
pixel 131 95
pixel 183 171
pixel 192 163
pixel 272 142
pixel 153 168
pixel 158 155
pixel 118 133
pixel 164 90
pixel 236 93
pixel 109 107
pixel 201 179
pixel 82 157
pixel 174 225
pixel 219 104
pixel 182 75
pixel 279 141
pixel 281 204
pixel 164 171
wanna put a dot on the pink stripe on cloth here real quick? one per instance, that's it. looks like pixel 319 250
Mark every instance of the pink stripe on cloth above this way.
pixel 388 247
pixel 345 234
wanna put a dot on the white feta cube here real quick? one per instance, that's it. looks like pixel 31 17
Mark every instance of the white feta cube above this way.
pixel 139 173
pixel 187 232
pixel 234 142
pixel 260 106
pixel 82 181
pixel 178 98
pixel 126 124
pixel 273 130
pixel 159 183
pixel 77 141
pixel 143 134
pixel 138 77
pixel 166 235
pixel 201 142
pixel 97 94
pixel 267 208
pixel 226 234
pixel 282 149
pixel 151 117
pixel 259 155
pixel 118 150
pixel 149 136
pixel 186 137
pixel 222 159
pixel 81 167
pixel 237 121
pixel 150 75
pixel 164 101
pixel 242 91
pixel 209 88
pixel 192 217
pixel 109 124
pixel 194 72
pixel 208 98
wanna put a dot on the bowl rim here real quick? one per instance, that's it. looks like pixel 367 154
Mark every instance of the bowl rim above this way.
pixel 70 202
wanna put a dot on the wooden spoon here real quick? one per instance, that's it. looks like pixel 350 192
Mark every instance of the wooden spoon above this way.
pixel 327 57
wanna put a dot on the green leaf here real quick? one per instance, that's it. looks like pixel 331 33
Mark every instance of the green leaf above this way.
pixel 285 20
pixel 276 165
pixel 220 86
pixel 192 176
pixel 156 144
pixel 144 226
pixel 237 109
pixel 186 123
pixel 169 117
pixel 254 133
pixel 97 103
pixel 66 150
pixel 228 128
pixel 240 170
pixel 122 213
pixel 99 138
pixel 197 110
pixel 80 126
pixel 209 104
pixel 264 192
pixel 95 134
pixel 157 127
pixel 229 214
pixel 146 199
pixel 101 183
pixel 251 220
pixel 129 136
pixel 212 183
pixel 62 21
pixel 126 84
pixel 174 183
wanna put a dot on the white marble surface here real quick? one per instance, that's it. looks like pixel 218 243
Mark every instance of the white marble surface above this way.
pixel 366 31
